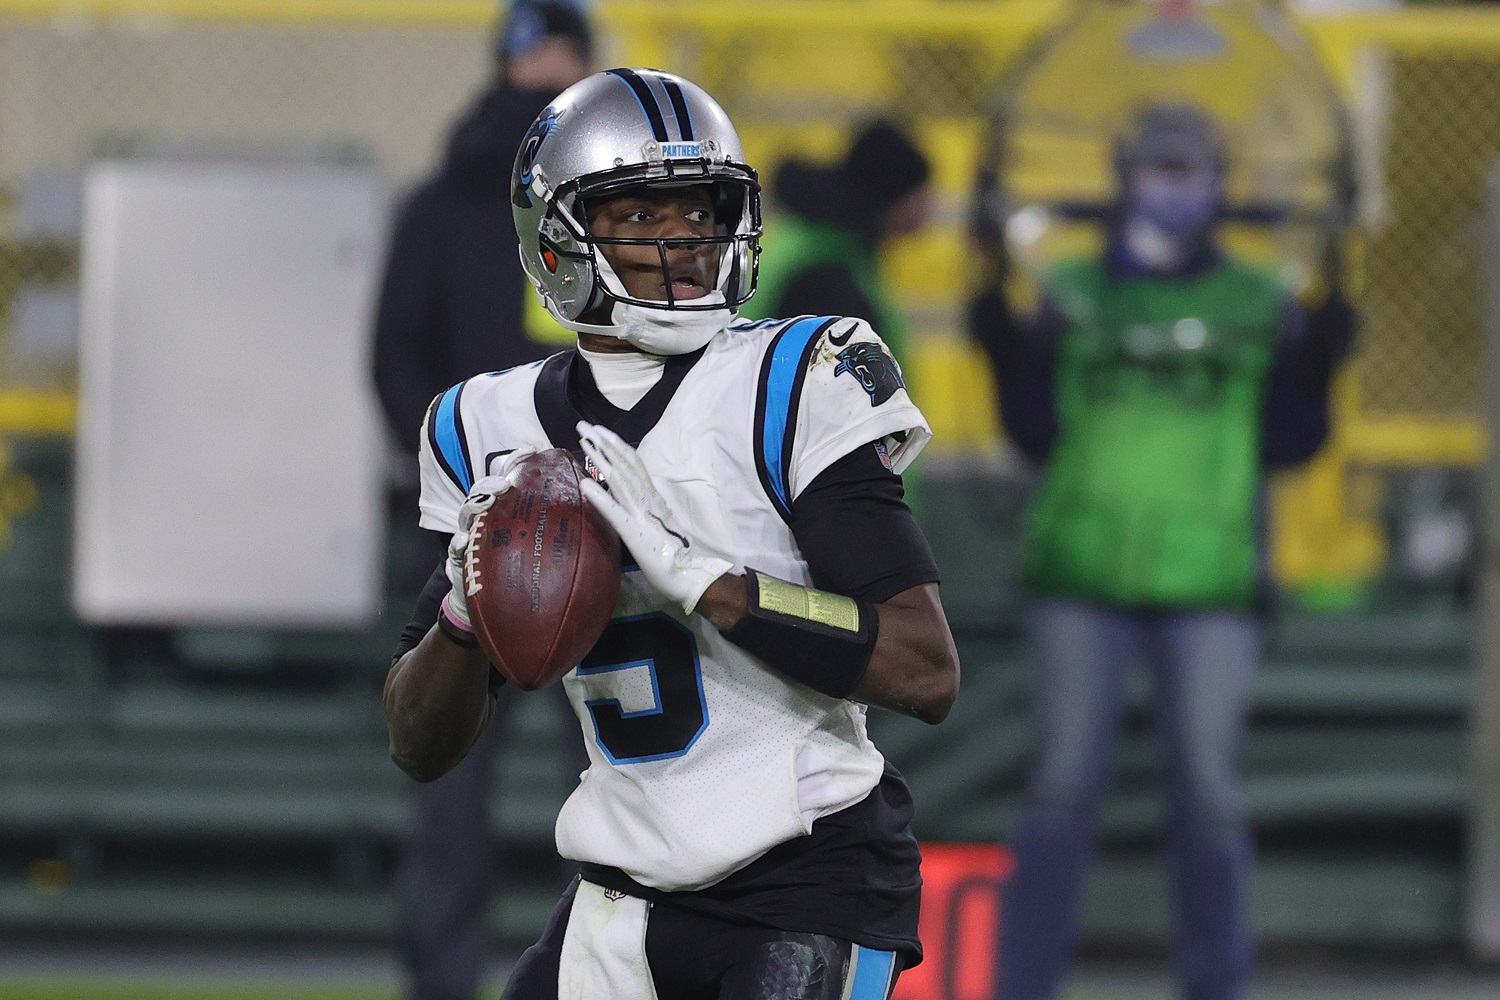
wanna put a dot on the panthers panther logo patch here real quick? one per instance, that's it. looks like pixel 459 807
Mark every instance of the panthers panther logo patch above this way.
pixel 873 368
pixel 531 145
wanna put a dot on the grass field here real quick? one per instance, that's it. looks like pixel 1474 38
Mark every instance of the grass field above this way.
pixel 89 988
pixel 239 977
pixel 147 989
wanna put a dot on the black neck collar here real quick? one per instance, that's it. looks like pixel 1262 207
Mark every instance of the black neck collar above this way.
pixel 567 393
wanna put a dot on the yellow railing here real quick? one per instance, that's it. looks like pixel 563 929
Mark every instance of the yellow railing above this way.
pixel 461 13
pixel 37 412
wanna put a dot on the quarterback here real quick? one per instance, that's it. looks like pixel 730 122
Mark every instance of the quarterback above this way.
pixel 738 835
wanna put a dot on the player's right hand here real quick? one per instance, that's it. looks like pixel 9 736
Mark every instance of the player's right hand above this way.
pixel 481 498
pixel 630 502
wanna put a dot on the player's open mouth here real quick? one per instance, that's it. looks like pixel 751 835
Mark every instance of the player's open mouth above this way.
pixel 687 283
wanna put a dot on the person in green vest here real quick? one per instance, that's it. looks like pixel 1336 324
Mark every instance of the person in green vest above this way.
pixel 820 252
pixel 1154 387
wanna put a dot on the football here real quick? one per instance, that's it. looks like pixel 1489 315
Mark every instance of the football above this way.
pixel 542 573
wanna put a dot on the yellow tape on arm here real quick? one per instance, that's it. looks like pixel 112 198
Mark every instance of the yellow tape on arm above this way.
pixel 818 606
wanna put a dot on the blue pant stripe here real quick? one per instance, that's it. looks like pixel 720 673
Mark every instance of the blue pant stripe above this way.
pixel 870 973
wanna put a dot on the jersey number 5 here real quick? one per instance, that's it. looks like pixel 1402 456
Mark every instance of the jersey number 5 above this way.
pixel 645 689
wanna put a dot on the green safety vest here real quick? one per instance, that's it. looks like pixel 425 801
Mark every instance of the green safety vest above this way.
pixel 793 245
pixel 1149 497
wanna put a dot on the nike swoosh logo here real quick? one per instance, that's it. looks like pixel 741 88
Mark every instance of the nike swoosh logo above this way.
pixel 838 341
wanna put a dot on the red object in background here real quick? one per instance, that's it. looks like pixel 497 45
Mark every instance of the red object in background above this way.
pixel 959 924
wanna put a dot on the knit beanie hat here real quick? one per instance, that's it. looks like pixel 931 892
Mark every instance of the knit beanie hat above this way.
pixel 530 22
pixel 884 164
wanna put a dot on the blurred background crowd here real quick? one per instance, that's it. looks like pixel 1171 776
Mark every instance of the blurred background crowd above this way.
pixel 242 244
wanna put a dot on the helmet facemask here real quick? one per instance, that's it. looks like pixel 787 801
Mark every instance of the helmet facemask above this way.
pixel 566 235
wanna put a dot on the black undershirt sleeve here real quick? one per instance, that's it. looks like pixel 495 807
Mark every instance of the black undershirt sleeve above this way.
pixel 425 615
pixel 857 534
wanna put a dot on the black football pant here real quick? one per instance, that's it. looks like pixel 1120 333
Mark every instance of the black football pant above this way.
pixel 696 957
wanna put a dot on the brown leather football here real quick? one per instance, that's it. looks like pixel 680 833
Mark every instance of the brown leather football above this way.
pixel 542 573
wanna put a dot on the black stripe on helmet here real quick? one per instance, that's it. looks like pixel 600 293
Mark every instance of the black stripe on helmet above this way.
pixel 647 100
pixel 679 107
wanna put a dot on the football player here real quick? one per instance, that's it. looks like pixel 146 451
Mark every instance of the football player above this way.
pixel 738 834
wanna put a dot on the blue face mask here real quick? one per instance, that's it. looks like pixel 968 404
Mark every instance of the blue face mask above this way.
pixel 1169 214
pixel 1179 203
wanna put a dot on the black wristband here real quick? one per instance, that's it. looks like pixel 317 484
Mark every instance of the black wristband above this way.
pixel 816 638
pixel 468 640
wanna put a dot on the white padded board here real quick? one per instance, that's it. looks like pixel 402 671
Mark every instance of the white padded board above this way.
pixel 230 462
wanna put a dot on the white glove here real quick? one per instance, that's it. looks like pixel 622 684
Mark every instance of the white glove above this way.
pixel 643 520
pixel 480 499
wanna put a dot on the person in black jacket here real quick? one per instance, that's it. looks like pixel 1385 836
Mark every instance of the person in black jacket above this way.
pixel 453 305
pixel 453 301
pixel 831 223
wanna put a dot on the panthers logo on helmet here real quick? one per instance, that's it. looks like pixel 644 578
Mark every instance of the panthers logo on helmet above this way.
pixel 531 145
pixel 876 370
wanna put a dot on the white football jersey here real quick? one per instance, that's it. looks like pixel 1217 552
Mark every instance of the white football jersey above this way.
pixel 702 758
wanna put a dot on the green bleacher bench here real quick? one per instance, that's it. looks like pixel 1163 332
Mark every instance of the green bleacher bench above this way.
pixel 285 911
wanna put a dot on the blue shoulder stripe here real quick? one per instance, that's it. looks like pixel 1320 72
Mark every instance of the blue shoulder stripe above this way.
pixel 451 441
pixel 777 401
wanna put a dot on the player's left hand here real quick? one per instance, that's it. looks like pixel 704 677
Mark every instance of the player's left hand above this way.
pixel 482 496
pixel 644 521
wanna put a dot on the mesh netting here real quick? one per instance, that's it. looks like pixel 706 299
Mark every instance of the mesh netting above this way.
pixel 1423 343
pixel 75 90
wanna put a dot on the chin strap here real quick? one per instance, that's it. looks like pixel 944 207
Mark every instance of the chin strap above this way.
pixel 658 330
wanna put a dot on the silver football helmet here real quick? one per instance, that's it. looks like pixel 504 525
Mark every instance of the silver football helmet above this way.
pixel 615 130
